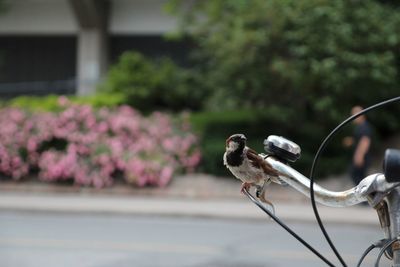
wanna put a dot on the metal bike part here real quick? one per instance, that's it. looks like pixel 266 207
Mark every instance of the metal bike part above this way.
pixel 388 206
pixel 384 218
pixel 326 197
pixel 393 202
pixel 374 183
pixel 391 165
pixel 282 148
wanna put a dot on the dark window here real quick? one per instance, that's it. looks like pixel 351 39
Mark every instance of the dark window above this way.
pixel 37 65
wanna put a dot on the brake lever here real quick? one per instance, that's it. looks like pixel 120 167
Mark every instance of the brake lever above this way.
pixel 375 188
pixel 376 183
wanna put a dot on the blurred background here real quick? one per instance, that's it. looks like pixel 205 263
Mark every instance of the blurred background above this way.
pixel 132 100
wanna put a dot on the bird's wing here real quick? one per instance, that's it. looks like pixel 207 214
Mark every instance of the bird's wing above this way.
pixel 258 162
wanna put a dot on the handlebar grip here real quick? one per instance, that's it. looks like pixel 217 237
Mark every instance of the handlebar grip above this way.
pixel 391 165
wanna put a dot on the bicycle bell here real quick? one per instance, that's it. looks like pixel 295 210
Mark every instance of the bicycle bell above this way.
pixel 282 148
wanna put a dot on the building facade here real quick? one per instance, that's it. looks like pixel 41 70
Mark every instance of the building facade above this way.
pixel 66 46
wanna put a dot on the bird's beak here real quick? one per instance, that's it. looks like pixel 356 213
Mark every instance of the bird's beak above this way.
pixel 227 141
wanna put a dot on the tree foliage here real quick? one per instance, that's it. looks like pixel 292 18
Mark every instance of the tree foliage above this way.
pixel 314 55
pixel 300 65
pixel 3 6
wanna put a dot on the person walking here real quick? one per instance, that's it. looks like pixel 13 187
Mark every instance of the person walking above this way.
pixel 360 143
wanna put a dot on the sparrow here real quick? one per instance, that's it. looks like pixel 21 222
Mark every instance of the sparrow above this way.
pixel 245 164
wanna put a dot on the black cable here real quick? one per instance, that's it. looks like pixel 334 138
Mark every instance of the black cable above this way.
pixel 284 226
pixel 377 244
pixel 383 249
pixel 368 250
pixel 317 155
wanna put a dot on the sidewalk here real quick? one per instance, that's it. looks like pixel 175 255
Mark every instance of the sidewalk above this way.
pixel 194 195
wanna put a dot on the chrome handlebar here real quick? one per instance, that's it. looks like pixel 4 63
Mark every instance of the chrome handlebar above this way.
pixel 374 183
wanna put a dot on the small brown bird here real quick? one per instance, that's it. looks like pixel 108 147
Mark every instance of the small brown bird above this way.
pixel 246 165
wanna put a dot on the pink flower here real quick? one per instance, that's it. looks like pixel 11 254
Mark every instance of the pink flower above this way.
pixel 63 101
pixel 32 145
pixel 165 176
pixel 88 146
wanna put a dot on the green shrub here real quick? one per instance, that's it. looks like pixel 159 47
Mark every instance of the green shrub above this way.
pixel 153 84
pixel 100 100
pixel 36 103
pixel 51 102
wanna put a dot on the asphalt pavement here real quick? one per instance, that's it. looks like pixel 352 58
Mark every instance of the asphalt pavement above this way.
pixel 98 240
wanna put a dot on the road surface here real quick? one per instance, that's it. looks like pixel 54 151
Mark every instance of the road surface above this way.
pixel 65 240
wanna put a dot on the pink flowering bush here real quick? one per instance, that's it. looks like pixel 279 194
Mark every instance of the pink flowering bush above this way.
pixel 93 146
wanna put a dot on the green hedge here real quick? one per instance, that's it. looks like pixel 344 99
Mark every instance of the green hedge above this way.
pixel 215 127
pixel 51 102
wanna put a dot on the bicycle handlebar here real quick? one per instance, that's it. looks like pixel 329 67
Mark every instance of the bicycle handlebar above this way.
pixel 371 184
pixel 378 189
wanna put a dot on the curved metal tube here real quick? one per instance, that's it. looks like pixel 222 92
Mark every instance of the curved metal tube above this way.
pixel 301 183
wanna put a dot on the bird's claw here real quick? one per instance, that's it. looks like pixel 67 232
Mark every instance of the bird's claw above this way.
pixel 270 207
pixel 259 191
pixel 260 194
pixel 267 204
pixel 245 186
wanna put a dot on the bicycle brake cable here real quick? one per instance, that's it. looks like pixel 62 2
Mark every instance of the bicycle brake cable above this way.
pixel 365 253
pixel 315 161
pixel 377 244
pixel 383 249
pixel 284 226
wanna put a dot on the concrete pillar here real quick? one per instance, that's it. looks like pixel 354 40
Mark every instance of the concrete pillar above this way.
pixel 92 46
pixel 92 59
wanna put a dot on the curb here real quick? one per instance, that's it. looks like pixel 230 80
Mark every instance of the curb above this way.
pixel 156 206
